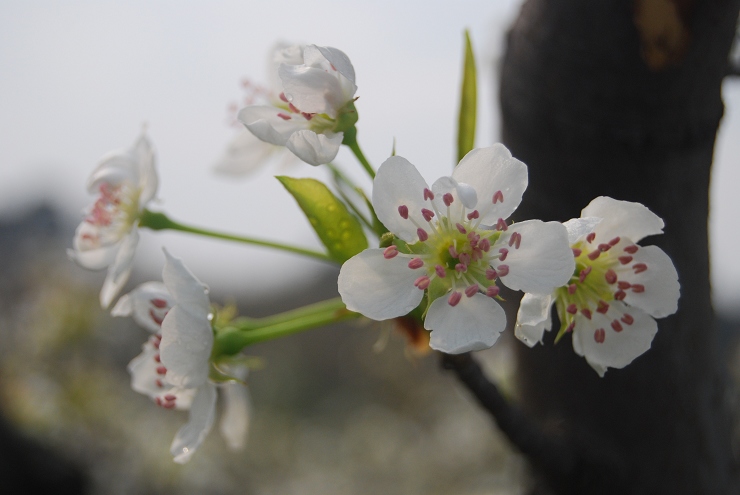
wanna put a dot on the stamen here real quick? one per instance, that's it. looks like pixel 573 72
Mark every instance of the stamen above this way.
pixel 620 295
pixel 473 214
pixel 155 318
pixel 610 276
pixel 572 289
pixel 614 241
pixel 158 358
pixel 492 291
pixel 501 225
pixel 484 245
pixel 158 303
pixel 639 267
pixel 293 108
pixel 453 252
pixel 284 116
pixel 576 252
pixel 472 290
pixel 498 196
pixel 161 370
pixel 503 270
pixel 623 284
pixel 604 247
pixel 423 236
pixel 447 199
pixel 427 214
pixel 416 263
pixel 491 274
pixel 602 308
pixel 422 282
pixel 428 194
pixel 515 240
pixel 631 249
pixel 464 258
pixel 307 116
pixel 504 252
pixel 617 326
pixel 599 336
pixel 572 309
pixel 586 312
pixel 590 237
pixel 390 252
pixel 625 259
pixel 460 228
pixel 403 210
pixel 441 272
pixel 584 273
pixel 638 288
pixel 627 318
pixel 283 97
pixel 594 254
pixel 460 267
pixel 570 327
pixel 454 298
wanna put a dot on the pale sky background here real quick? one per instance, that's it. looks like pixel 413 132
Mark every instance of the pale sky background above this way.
pixel 78 79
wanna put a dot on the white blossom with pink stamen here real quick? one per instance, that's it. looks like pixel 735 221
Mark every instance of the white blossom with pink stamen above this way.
pixel 454 245
pixel 173 368
pixel 313 95
pixel 125 181
pixel 616 290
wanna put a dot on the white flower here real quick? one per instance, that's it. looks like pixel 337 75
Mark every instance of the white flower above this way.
pixel 246 153
pixel 616 290
pixel 174 366
pixel 125 182
pixel 451 255
pixel 314 95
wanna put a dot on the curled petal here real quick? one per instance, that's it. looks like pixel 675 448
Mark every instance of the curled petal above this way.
pixel 188 292
pixel 139 304
pixel 533 318
pixel 543 259
pixel 192 434
pixel 399 183
pixel 89 250
pixel 316 90
pixel 264 122
pixel 336 58
pixel 616 349
pixel 143 155
pixel 473 324
pixel 378 288
pixel 631 220
pixel 490 170
pixel 315 149
pixel 579 227
pixel 114 168
pixel 120 270
pixel 660 280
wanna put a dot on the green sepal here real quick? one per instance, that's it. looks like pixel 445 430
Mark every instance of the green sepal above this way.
pixel 339 230
pixel 468 103
pixel 346 119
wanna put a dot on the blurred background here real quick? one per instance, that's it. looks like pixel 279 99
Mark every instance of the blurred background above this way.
pixel 339 410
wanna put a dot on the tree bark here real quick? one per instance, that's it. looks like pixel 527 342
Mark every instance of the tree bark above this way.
pixel 623 99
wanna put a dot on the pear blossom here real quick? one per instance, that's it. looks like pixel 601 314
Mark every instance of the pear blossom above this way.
pixel 174 366
pixel 453 244
pixel 316 94
pixel 125 182
pixel 616 291
pixel 246 153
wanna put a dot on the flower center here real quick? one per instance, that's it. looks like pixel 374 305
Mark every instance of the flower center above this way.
pixel 113 214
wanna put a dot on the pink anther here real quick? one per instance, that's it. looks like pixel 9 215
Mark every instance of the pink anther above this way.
pixel 590 237
pixel 441 272
pixel 454 298
pixel 623 284
pixel 602 307
pixel 403 210
pixel 498 196
pixel 448 199
pixel 610 276
pixel 158 303
pixel 161 370
pixel 283 97
pixel 614 241
pixel 504 252
pixel 423 236
pixel 620 295
pixel 624 259
pixel 628 319
pixel 427 214
pixel 639 267
pixel 428 194
pixel 576 252
pixel 492 291
pixel 594 254
pixel 416 263
pixel 584 273
pixel 572 309
pixel 501 225
pixel 464 258
pixel 453 252
pixel 155 318
pixel 617 326
pixel 570 327
pixel 307 116
pixel 491 274
pixel 572 289
pixel 460 228
pixel 472 290
pixel 390 252
pixel 631 249
pixel 638 288
pixel 485 245
pixel 284 116
pixel 599 336
pixel 473 214
pixel 157 358
pixel 586 312
pixel 503 270
pixel 422 282
pixel 461 267
pixel 604 247
pixel 515 240
pixel 293 108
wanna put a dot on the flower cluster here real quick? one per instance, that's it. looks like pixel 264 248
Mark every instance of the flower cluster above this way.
pixel 616 290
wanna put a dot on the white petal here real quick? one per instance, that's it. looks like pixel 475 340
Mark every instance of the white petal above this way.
pixel 264 122
pixel 234 425
pixel 622 218
pixel 533 318
pixel 448 185
pixel 140 303
pixel 202 413
pixel 579 227
pixel 399 183
pixel 543 261
pixel 315 149
pixel 336 58
pixel 146 380
pixel 148 182
pixel 188 292
pixel 490 170
pixel 114 168
pixel 244 154
pixel 473 324
pixel 186 346
pixel 378 288
pixel 313 90
pixel 89 250
pixel 660 280
pixel 618 348
pixel 120 270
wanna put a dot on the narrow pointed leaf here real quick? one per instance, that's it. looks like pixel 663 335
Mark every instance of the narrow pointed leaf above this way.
pixel 468 103
pixel 338 229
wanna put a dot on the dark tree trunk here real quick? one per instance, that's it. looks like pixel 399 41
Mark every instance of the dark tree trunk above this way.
pixel 622 99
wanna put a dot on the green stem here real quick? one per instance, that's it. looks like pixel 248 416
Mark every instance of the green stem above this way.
pixel 160 221
pixel 352 143
pixel 233 339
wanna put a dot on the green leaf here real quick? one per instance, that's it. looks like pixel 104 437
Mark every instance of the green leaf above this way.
pixel 468 103
pixel 338 229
